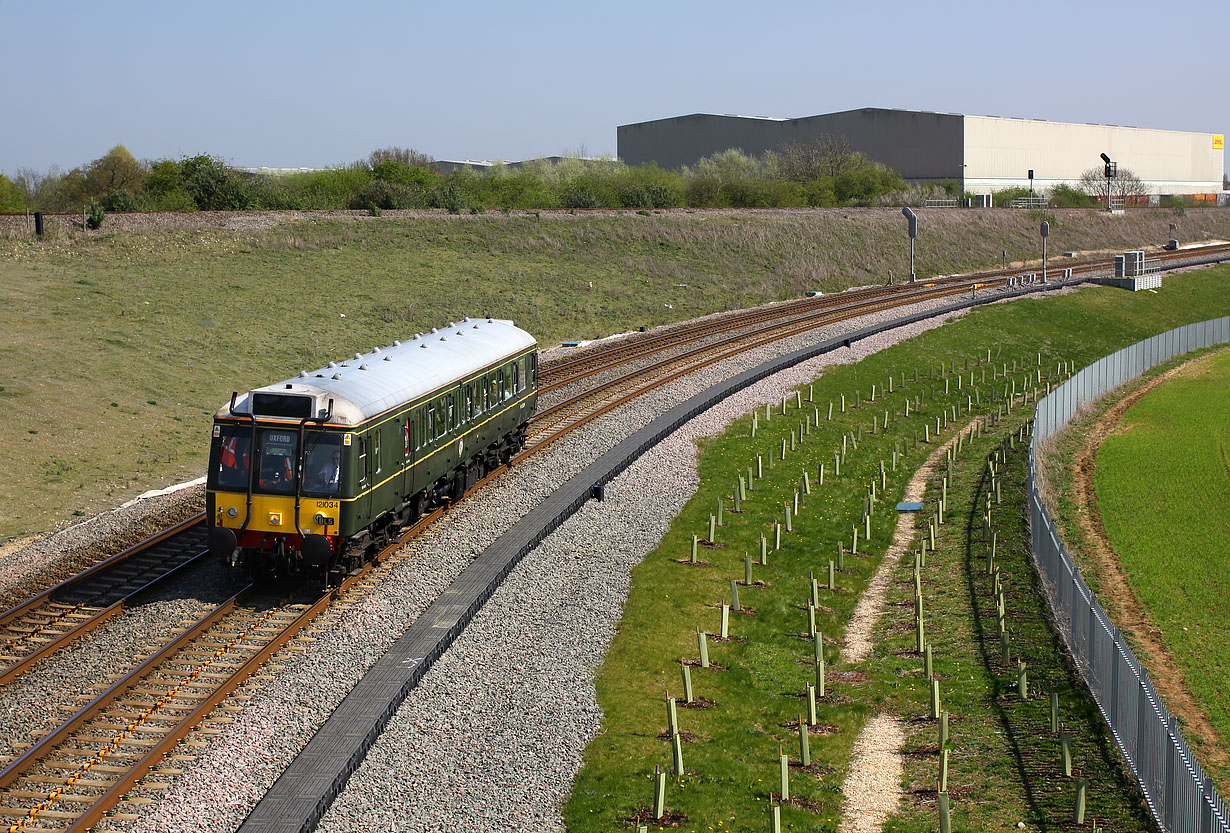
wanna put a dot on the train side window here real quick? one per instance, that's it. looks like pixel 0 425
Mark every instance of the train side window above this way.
pixel 362 462
pixel 431 423
pixel 406 432
pixel 534 369
pixel 469 414
pixel 503 388
pixel 452 411
pixel 516 377
pixel 376 449
pixel 483 384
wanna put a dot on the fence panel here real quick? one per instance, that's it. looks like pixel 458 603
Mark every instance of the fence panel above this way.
pixel 1179 794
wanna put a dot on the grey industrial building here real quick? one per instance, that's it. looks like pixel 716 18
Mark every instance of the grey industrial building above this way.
pixel 982 153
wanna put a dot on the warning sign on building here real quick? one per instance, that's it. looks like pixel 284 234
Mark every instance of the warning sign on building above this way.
pixel 1219 142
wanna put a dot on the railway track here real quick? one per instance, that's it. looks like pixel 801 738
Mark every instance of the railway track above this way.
pixel 35 787
pixel 37 628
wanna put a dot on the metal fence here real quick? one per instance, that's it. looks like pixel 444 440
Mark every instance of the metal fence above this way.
pixel 1180 795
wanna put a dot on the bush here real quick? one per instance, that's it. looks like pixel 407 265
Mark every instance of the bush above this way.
pixel 1004 198
pixel 94 214
pixel 821 192
pixel 213 185
pixel 390 170
pixel 11 197
pixel 633 196
pixel 1065 196
pixel 388 195
pixel 449 197
pixel 580 195
pixel 662 195
pixel 120 199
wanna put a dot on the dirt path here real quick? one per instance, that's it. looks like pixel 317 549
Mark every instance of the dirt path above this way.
pixel 872 788
pixel 867 612
pixel 1129 614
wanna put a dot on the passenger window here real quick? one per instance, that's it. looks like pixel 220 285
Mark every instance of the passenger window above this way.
pixel 516 377
pixel 469 413
pixel 534 369
pixel 406 436
pixel 362 463
pixel 452 413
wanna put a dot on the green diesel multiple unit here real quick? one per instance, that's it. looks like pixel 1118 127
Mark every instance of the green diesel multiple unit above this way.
pixel 316 473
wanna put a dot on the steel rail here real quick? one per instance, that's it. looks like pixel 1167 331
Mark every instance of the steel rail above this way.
pixel 784 331
pixel 60 639
pixel 94 621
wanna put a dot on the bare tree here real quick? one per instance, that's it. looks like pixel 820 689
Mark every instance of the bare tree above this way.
pixel 825 155
pixel 1125 183
pixel 406 156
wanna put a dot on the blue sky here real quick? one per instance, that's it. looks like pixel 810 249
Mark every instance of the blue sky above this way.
pixel 315 84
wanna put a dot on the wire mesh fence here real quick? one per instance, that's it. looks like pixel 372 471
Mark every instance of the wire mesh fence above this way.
pixel 1179 794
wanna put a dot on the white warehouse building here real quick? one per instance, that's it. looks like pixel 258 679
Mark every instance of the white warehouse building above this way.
pixel 982 153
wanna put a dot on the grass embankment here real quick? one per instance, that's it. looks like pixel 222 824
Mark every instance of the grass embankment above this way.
pixel 120 344
pixel 1002 766
pixel 1163 487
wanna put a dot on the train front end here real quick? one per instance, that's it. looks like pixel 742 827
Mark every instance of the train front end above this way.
pixel 276 484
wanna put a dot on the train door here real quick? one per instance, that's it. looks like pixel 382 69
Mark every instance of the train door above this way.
pixel 364 466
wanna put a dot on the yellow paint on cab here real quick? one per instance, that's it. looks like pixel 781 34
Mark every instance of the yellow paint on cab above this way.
pixel 276 513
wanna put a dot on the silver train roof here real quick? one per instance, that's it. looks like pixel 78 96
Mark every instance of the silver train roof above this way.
pixel 371 383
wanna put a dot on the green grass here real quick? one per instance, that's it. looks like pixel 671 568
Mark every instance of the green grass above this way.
pixel 1163 489
pixel 98 328
pixel 734 759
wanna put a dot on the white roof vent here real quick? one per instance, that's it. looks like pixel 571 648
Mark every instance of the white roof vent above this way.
pixel 331 364
pixel 396 343
pixel 388 358
pixel 358 357
pixel 337 377
pixel 363 367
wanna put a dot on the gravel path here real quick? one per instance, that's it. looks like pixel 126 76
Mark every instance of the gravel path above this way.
pixel 872 789
pixel 861 630
pixel 493 735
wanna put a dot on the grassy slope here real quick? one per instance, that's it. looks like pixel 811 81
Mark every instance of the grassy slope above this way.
pixel 120 345
pixel 1172 444
pixel 739 739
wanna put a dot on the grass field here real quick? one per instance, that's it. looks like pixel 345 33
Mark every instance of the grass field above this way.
pixel 1006 766
pixel 1163 488
pixel 119 345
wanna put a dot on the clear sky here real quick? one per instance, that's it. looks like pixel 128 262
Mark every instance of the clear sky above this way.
pixel 314 84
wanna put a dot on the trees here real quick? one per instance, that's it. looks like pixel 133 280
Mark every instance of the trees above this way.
pixel 11 197
pixel 825 155
pixel 1125 184
pixel 117 169
pixel 406 156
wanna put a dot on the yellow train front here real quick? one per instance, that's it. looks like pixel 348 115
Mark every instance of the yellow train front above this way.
pixel 316 473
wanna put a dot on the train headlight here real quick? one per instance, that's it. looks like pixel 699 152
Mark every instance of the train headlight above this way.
pixel 320 519
pixel 232 512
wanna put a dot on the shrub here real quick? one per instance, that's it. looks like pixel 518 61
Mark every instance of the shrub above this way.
pixel 213 185
pixel 662 195
pixel 120 199
pixel 1065 196
pixel 580 195
pixel 94 214
pixel 821 192
pixel 1004 198
pixel 389 195
pixel 392 170
pixel 449 197
pixel 633 196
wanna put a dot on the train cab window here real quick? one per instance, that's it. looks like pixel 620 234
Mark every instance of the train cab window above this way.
pixel 362 462
pixel 232 472
pixel 322 463
pixel 278 449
